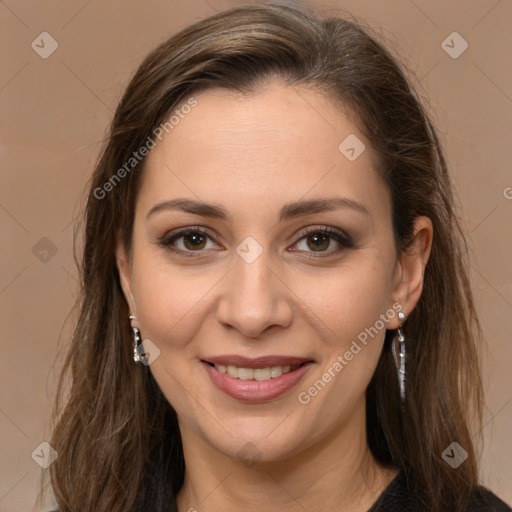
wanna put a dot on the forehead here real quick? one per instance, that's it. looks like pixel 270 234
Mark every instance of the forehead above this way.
pixel 262 149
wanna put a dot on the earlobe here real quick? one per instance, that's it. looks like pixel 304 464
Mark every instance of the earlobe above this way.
pixel 124 271
pixel 412 265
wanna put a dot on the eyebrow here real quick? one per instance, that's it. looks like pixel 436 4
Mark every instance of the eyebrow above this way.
pixel 288 211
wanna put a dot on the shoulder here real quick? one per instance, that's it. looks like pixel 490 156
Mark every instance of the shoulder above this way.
pixel 397 497
pixel 483 500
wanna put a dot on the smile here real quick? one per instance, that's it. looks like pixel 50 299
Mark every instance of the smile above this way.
pixel 260 374
pixel 256 380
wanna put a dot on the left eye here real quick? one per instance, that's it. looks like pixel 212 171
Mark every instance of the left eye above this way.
pixel 319 240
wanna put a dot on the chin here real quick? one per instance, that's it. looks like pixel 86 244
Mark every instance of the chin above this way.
pixel 258 440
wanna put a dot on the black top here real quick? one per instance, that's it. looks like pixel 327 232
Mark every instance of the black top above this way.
pixel 397 498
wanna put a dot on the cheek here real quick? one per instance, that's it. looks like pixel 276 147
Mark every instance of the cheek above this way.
pixel 352 308
pixel 349 301
pixel 170 301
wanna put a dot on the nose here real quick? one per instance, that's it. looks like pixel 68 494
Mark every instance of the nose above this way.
pixel 255 298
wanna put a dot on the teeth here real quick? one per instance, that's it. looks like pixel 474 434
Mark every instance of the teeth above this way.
pixel 245 373
pixel 276 371
pixel 257 374
pixel 232 371
pixel 262 373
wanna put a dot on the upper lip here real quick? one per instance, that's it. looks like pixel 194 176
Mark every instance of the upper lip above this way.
pixel 256 362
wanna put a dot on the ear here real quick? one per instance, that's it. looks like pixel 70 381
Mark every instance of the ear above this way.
pixel 124 270
pixel 410 270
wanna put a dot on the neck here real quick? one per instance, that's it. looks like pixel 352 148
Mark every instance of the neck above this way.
pixel 336 473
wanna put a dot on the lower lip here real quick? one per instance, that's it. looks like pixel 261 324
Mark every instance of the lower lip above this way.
pixel 256 390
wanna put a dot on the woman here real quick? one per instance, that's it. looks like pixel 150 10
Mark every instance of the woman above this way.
pixel 275 312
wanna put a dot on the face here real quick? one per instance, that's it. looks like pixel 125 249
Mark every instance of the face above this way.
pixel 284 283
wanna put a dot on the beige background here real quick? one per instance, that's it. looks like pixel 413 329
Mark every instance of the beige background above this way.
pixel 54 113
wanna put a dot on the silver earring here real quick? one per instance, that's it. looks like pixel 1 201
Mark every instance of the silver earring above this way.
pixel 136 340
pixel 399 339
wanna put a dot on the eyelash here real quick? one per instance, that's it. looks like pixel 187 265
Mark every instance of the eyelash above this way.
pixel 339 236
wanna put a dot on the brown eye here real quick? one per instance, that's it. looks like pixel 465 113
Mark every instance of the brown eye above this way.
pixel 194 240
pixel 187 241
pixel 318 241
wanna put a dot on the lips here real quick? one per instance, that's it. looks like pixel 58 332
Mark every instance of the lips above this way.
pixel 249 379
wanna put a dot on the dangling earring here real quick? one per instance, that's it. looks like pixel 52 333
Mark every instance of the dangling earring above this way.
pixel 136 339
pixel 400 364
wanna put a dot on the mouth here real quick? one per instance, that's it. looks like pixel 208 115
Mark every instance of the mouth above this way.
pixel 256 380
pixel 259 374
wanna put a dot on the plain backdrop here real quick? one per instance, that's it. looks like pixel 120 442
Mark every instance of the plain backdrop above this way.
pixel 54 112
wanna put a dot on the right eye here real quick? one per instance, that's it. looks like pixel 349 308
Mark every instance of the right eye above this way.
pixel 186 241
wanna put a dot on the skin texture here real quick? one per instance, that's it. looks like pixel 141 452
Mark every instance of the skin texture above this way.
pixel 253 154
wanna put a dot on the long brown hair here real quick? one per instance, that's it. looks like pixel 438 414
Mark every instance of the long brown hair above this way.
pixel 117 436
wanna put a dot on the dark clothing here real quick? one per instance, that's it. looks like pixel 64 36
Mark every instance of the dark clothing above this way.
pixel 397 498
